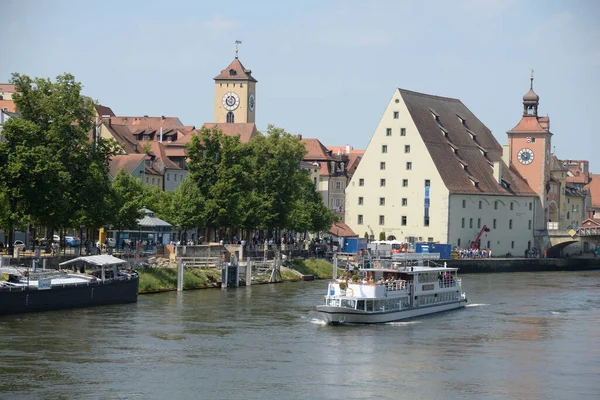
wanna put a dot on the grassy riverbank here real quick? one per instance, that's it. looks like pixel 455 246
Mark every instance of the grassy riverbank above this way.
pixel 164 279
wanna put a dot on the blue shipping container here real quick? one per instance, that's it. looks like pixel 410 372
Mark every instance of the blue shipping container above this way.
pixel 354 245
pixel 445 250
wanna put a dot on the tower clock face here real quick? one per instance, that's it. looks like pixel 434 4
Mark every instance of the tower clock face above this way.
pixel 251 102
pixel 231 101
pixel 525 156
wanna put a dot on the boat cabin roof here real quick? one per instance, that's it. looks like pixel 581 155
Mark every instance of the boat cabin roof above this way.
pixel 100 260
pixel 411 270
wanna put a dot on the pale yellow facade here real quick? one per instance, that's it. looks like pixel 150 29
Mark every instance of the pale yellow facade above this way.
pixel 245 107
pixel 388 194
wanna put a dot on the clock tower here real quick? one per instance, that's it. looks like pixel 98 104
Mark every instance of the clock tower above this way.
pixel 530 143
pixel 235 94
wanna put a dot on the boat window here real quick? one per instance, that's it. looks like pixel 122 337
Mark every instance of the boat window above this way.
pixel 369 305
pixel 360 305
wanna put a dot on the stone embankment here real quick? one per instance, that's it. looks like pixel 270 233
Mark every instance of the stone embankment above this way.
pixel 486 265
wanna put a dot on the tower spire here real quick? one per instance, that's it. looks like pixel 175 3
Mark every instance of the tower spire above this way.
pixel 236 47
pixel 531 85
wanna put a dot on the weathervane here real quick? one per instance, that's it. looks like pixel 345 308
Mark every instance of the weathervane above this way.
pixel 236 47
pixel 531 87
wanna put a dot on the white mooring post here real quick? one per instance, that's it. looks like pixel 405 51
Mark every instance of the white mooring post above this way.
pixel 180 275
pixel 248 273
pixel 335 266
pixel 44 264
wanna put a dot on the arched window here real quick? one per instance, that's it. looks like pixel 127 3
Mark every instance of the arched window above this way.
pixel 230 118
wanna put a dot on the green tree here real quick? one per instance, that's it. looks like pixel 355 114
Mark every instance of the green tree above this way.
pixel 127 201
pixel 309 212
pixel 47 157
pixel 188 206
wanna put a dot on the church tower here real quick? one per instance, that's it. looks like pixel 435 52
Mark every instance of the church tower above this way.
pixel 235 94
pixel 530 143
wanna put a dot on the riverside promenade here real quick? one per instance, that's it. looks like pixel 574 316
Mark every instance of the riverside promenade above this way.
pixel 487 265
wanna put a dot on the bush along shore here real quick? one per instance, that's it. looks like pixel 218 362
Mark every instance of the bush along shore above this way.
pixel 154 279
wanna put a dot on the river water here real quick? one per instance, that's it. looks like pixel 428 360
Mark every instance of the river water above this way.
pixel 522 336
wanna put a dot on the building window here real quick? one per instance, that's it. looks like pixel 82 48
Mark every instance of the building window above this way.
pixel 530 206
pixel 382 165
pixel 427 183
pixel 384 148
pixel 462 223
pixel 407 148
pixel 404 220
pixel 230 118
pixel 529 245
pixel 361 182
pixel 529 225
pixel 405 182
pixel 315 181
pixel 382 182
pixel 360 219
pixel 153 180
pixel 478 223
pixel 496 205
pixel 382 201
pixel 402 131
pixel 175 177
pixel 396 115
pixel 338 185
pixel 382 220
pixel 168 177
pixel 426 222
pixel 488 245
pixel 388 132
pixel 458 243
pixel 181 177
pixel 360 201
pixel 494 223
pixel 147 180
pixel 511 206
pixel 404 202
pixel 471 223
pixel 408 165
pixel 510 224
pixel 480 204
pixel 512 244
pixel 464 203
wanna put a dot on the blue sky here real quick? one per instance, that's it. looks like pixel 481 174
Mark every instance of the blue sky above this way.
pixel 325 69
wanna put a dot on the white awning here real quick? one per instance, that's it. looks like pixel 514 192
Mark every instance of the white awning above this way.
pixel 96 260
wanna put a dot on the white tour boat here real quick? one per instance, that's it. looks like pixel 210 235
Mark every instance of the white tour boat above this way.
pixel 392 293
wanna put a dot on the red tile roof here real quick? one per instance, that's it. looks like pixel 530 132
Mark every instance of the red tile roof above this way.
pixel 246 131
pixel 103 110
pixel 150 122
pixel 422 108
pixel 236 71
pixel 316 151
pixel 8 88
pixel 594 189
pixel 340 229
pixel 528 124
pixel 127 162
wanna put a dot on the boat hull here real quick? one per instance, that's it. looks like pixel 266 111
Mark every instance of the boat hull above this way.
pixel 22 300
pixel 340 315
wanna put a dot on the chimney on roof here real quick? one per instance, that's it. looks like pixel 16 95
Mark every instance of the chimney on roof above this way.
pixel 162 117
pixel 161 133
pixel 347 149
pixel 506 154
pixel 146 115
pixel 498 172
pixel 300 137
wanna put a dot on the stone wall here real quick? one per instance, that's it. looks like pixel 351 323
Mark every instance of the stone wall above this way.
pixel 523 264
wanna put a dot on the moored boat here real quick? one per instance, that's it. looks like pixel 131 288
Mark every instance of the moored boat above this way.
pixel 25 290
pixel 392 293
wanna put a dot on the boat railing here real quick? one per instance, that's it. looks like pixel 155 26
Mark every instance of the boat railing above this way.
pixel 446 283
pixel 395 285
pixel 7 287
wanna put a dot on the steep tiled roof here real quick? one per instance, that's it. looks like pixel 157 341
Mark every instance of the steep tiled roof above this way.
pixel 340 229
pixel 316 151
pixel 354 159
pixel 103 110
pixel 127 162
pixel 159 151
pixel 453 147
pixel 150 122
pixel 246 131
pixel 594 189
pixel 8 88
pixel 528 124
pixel 236 71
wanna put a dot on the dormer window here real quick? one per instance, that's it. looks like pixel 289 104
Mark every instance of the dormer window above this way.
pixel 461 119
pixel 444 131
pixel 232 72
pixel 504 183
pixel 435 115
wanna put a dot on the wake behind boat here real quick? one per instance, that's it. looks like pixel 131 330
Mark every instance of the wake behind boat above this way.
pixel 24 290
pixel 392 293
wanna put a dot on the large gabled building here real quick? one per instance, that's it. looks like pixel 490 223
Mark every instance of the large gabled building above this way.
pixel 434 172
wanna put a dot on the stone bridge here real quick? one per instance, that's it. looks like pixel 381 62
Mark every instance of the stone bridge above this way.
pixel 559 239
